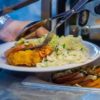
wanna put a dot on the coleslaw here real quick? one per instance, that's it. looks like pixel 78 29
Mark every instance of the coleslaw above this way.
pixel 66 50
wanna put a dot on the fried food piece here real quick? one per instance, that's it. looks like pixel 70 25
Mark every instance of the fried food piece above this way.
pixel 18 57
pixel 16 49
pixel 64 79
pixel 87 76
pixel 74 81
pixel 28 58
pixel 85 82
pixel 38 33
pixel 94 83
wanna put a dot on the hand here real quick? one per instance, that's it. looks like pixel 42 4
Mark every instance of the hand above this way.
pixel 10 31
pixel 38 33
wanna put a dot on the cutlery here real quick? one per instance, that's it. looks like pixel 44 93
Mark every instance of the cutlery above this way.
pixel 65 16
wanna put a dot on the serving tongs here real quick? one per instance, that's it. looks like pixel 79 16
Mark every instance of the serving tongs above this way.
pixel 64 16
pixel 29 29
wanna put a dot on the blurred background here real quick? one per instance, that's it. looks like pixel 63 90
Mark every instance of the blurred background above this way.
pixel 31 12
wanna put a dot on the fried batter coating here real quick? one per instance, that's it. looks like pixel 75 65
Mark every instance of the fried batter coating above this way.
pixel 27 57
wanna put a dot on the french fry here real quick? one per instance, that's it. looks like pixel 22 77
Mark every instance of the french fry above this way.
pixel 92 84
pixel 65 78
pixel 76 81
pixel 97 86
pixel 85 82
pixel 97 71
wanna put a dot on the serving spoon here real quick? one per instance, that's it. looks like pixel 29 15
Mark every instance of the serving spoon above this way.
pixel 64 16
pixel 33 26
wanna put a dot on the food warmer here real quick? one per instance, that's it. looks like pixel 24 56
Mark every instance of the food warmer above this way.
pixel 45 86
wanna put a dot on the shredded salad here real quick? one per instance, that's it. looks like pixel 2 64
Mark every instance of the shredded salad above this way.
pixel 67 50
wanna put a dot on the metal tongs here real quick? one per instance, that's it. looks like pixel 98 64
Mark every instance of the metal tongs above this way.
pixel 64 16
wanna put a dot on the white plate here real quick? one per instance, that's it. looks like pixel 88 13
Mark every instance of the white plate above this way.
pixel 94 53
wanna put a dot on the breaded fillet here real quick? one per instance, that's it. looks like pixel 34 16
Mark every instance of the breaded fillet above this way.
pixel 27 57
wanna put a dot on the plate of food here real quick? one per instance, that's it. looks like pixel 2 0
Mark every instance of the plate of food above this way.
pixel 61 53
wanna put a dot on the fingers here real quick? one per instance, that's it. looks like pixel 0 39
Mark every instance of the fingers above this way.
pixel 38 33
pixel 10 31
pixel 41 31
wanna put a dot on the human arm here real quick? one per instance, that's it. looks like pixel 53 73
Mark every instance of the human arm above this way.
pixel 10 29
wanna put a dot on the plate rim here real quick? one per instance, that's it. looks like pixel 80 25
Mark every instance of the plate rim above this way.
pixel 48 69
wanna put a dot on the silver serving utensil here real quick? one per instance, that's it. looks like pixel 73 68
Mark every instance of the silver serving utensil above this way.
pixel 29 29
pixel 76 9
